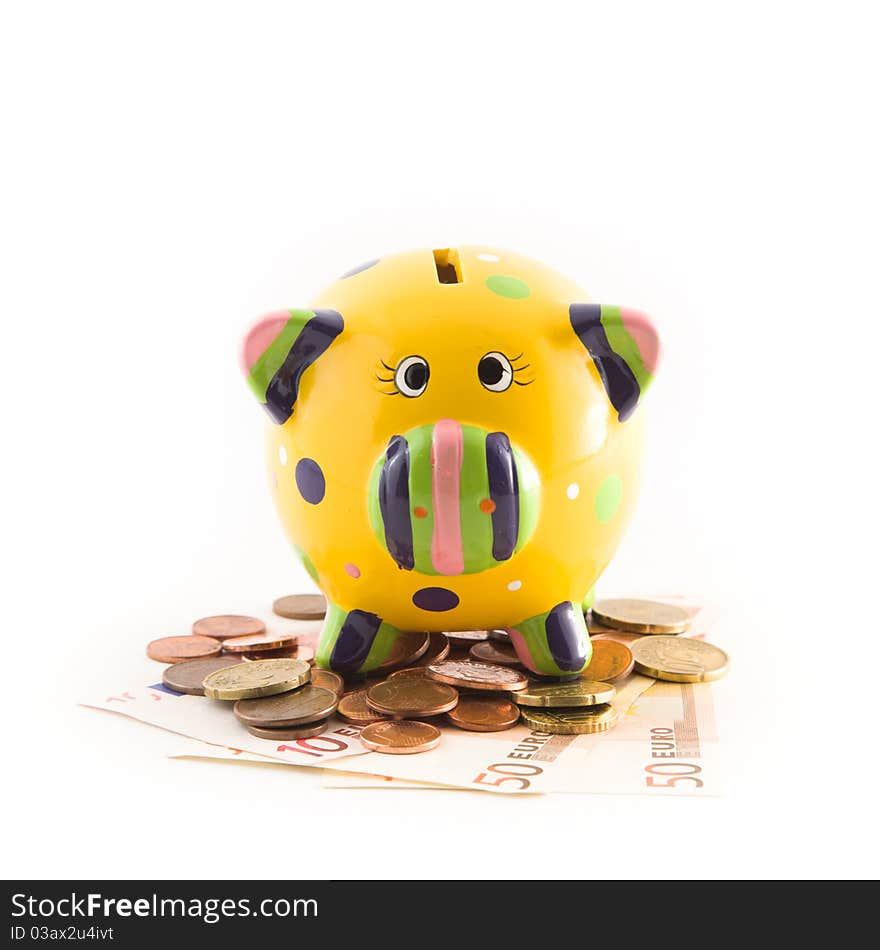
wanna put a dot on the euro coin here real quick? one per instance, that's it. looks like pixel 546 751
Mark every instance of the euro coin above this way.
pixel 495 652
pixel 260 678
pixel 224 626
pixel 411 696
pixel 484 714
pixel 499 634
pixel 468 674
pixel 570 722
pixel 327 679
pixel 406 649
pixel 301 606
pixel 641 616
pixel 178 649
pixel 574 693
pixel 187 676
pixel 400 737
pixel 610 661
pixel 467 636
pixel 293 708
pixel 298 652
pixel 253 642
pixel 353 708
pixel 438 649
pixel 285 733
pixel 679 660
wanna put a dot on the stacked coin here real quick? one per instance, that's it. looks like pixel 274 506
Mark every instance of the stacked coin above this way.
pixel 472 680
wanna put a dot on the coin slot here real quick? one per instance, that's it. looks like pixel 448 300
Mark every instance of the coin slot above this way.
pixel 448 265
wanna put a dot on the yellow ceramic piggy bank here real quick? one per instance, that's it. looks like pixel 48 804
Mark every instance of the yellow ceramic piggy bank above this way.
pixel 454 445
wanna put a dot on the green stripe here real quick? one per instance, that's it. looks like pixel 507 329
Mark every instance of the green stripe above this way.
pixel 419 441
pixel 373 509
pixel 529 497
pixel 476 525
pixel 332 625
pixel 624 345
pixel 274 356
pixel 381 648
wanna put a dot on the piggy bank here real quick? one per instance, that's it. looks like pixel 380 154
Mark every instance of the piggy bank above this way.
pixel 454 443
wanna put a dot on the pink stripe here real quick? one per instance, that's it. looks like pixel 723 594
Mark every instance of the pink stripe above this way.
pixel 447 452
pixel 522 648
pixel 641 329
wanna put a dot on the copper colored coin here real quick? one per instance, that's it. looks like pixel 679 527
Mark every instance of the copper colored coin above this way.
pixel 438 649
pixel 484 714
pixel 187 676
pixel 327 679
pixel 400 737
pixel 301 606
pixel 404 696
pixel 254 642
pixel 469 674
pixel 419 671
pixel 493 651
pixel 611 661
pixel 406 649
pixel 294 708
pixel 224 626
pixel 284 733
pixel 177 649
pixel 353 708
pixel 306 654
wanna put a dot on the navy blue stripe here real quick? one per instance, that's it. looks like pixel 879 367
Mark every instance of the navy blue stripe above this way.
pixel 504 491
pixel 394 502
pixel 617 378
pixel 565 637
pixel 354 641
pixel 314 338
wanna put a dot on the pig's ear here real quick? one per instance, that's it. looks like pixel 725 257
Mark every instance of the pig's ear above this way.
pixel 279 348
pixel 625 348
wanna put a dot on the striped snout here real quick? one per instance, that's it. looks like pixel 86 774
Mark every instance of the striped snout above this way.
pixel 452 499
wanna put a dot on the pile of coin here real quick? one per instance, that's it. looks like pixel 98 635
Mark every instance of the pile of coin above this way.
pixel 472 680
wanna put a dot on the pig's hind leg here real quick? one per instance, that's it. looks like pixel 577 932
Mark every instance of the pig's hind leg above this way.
pixel 555 643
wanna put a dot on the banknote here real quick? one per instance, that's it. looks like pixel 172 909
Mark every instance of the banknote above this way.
pixel 666 743
pixel 213 722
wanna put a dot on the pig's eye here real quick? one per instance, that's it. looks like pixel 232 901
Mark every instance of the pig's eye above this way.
pixel 411 376
pixel 495 372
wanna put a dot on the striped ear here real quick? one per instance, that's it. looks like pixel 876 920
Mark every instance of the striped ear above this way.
pixel 279 348
pixel 625 348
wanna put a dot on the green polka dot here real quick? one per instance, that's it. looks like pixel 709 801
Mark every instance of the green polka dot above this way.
pixel 608 497
pixel 307 563
pixel 511 287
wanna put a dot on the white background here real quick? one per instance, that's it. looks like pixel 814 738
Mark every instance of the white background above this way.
pixel 172 170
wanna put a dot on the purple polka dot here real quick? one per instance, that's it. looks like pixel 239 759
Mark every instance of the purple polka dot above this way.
pixel 435 598
pixel 310 480
pixel 359 268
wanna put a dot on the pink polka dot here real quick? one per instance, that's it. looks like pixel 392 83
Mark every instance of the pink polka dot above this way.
pixel 353 571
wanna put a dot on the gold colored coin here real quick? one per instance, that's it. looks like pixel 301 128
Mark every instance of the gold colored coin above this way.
pixel 353 708
pixel 641 616
pixel 301 606
pixel 467 636
pixel 259 678
pixel 679 659
pixel 610 661
pixel 576 693
pixel 468 674
pixel 400 737
pixel 570 722
pixel 411 696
